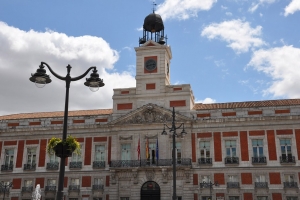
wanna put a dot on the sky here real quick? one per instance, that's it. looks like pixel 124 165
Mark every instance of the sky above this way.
pixel 228 50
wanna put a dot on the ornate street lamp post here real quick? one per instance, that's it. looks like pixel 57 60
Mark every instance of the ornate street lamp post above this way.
pixel 173 129
pixel 210 185
pixel 5 187
pixel 40 78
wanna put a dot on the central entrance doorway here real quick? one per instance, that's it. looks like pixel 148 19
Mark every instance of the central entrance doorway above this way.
pixel 150 191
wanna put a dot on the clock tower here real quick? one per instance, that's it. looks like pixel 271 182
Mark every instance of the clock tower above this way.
pixel 153 57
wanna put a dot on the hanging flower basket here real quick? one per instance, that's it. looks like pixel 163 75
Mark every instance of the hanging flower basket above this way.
pixel 63 148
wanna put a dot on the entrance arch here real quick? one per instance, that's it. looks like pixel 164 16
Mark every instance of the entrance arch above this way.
pixel 150 191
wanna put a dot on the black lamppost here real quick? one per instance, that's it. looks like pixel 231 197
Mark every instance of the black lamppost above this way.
pixel 40 78
pixel 210 185
pixel 173 129
pixel 5 187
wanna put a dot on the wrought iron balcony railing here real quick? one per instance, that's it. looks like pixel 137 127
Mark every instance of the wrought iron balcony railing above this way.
pixel 287 159
pixel 98 187
pixel 231 160
pixel 50 188
pixel 52 166
pixel 205 185
pixel 6 190
pixel 204 161
pixel 233 184
pixel 75 165
pixel 99 164
pixel 7 167
pixel 259 160
pixel 261 184
pixel 146 163
pixel 74 187
pixel 290 185
pixel 30 167
pixel 27 189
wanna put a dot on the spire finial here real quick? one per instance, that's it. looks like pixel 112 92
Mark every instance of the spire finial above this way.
pixel 154 4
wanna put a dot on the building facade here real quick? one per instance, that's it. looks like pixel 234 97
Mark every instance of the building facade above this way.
pixel 232 151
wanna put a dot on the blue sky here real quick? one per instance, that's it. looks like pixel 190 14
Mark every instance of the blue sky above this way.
pixel 229 51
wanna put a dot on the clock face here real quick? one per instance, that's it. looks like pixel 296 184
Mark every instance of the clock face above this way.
pixel 150 64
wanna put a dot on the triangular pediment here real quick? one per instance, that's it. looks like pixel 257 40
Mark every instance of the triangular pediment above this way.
pixel 150 113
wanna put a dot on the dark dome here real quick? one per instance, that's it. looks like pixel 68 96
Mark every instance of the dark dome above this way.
pixel 153 23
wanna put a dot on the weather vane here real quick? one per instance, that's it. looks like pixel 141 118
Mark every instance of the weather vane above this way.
pixel 154 4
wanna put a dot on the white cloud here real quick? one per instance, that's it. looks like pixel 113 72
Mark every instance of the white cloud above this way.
pixel 21 53
pixel 239 34
pixel 206 101
pixel 258 3
pixel 292 7
pixel 183 9
pixel 228 13
pixel 282 64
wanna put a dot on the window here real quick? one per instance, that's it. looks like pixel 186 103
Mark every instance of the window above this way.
pixel 51 182
pixel 125 152
pixel 288 178
pixel 205 149
pixel 291 198
pixel 230 146
pixel 9 157
pixel 124 198
pixel 74 181
pixel 99 153
pixel 234 198
pixel 206 198
pixel 99 198
pixel 31 156
pixel 76 157
pixel 152 151
pixel 286 149
pixel 53 158
pixel 28 183
pixel 204 180
pixel 98 181
pixel 178 151
pixel 258 150
pixel 232 178
pixel 260 178
pixel 262 198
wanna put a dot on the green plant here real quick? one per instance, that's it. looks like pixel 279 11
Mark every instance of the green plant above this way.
pixel 71 142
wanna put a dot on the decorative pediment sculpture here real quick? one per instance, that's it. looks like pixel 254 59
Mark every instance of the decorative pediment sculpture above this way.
pixel 149 113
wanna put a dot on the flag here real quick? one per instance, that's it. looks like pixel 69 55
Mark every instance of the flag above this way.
pixel 139 149
pixel 157 150
pixel 147 149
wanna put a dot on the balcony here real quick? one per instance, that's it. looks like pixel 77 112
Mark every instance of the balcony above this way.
pixel 204 161
pixel 50 188
pixel 27 189
pixel 290 185
pixel 259 160
pixel 29 167
pixel 6 190
pixel 261 184
pixel 287 159
pixel 7 168
pixel 98 164
pixel 233 185
pixel 205 185
pixel 150 163
pixel 75 165
pixel 231 160
pixel 97 187
pixel 52 166
pixel 74 188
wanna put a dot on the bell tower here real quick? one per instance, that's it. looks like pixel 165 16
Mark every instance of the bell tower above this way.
pixel 152 57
